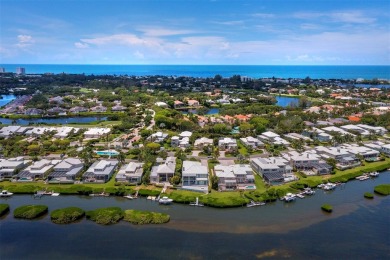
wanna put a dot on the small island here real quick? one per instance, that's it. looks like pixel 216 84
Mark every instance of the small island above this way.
pixel 145 217
pixel 327 208
pixel 368 195
pixel 383 189
pixel 105 216
pixel 66 215
pixel 30 211
pixel 4 209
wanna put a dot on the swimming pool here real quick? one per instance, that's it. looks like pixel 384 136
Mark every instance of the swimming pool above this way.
pixel 250 187
pixel 107 152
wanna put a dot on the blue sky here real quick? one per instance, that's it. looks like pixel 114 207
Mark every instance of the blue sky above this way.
pixel 273 32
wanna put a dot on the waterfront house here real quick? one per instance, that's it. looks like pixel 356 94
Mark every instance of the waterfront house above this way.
pixel 366 153
pixel 99 109
pixel 163 170
pixel 272 168
pixel 38 170
pixel 356 129
pixel 78 109
pixel 379 130
pixel 233 177
pixel 118 108
pixel 386 149
pixel 131 173
pixel 227 144
pixel 100 171
pixel 66 171
pixel 178 104
pixel 9 167
pixel 308 162
pixel 195 176
pixel 193 103
pixel 56 111
pixel 33 112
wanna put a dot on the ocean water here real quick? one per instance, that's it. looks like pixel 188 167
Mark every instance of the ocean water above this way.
pixel 254 71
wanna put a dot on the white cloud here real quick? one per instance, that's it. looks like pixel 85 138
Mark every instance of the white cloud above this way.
pixel 158 31
pixel 354 17
pixel 24 41
pixel 139 55
pixel 81 45
pixel 263 15
pixel 238 22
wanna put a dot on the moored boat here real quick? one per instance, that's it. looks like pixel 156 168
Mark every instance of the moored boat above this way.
pixel 196 203
pixel 165 200
pixel 329 186
pixel 6 193
pixel 374 174
pixel 254 204
pixel 289 197
pixel 309 191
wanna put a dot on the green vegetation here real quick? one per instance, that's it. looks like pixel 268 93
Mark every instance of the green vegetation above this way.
pixel 145 217
pixel 105 216
pixel 66 215
pixel 224 199
pixel 368 195
pixel 4 209
pixel 30 211
pixel 383 189
pixel 327 208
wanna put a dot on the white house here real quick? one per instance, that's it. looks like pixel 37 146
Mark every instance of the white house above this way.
pixel 38 169
pixel 163 170
pixel 202 142
pixel 195 176
pixel 272 168
pixel 227 144
pixel 252 142
pixel 131 172
pixel 100 171
pixel 96 132
pixel 158 137
pixel 8 167
pixel 66 171
pixel 233 177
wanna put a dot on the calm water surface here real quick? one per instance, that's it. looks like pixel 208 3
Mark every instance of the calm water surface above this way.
pixel 6 99
pixel 286 101
pixel 358 228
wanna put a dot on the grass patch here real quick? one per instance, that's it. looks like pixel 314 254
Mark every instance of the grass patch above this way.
pixel 105 216
pixel 66 215
pixel 145 217
pixel 30 211
pixel 383 189
pixel 224 199
pixel 4 209
pixel 368 195
pixel 327 208
pixel 183 196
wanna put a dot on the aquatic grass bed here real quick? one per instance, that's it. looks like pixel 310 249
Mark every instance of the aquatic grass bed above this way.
pixel 327 208
pixel 383 189
pixel 4 209
pixel 66 215
pixel 139 217
pixel 30 211
pixel 105 216
pixel 368 195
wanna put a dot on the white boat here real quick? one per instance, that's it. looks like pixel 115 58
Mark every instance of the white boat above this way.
pixel 196 203
pixel 309 191
pixel 289 197
pixel 55 194
pixel 321 186
pixel 128 197
pixel 103 194
pixel 254 204
pixel 374 174
pixel 6 193
pixel 329 186
pixel 363 178
pixel 299 195
pixel 165 200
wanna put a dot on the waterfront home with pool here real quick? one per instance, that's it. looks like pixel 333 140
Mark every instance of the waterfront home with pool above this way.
pixel 38 170
pixel 236 176
pixel 100 171
pixel 195 176
pixel 96 132
pixel 131 173
pixel 163 170
pixel 66 171
pixel 8 167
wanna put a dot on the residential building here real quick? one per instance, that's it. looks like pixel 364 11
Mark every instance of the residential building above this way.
pixel 233 177
pixel 161 104
pixel 202 142
pixel 66 171
pixel 131 173
pixel 252 142
pixel 386 149
pixel 272 168
pixel 317 134
pixel 63 132
pixel 379 130
pixel 178 104
pixel 195 176
pixel 367 153
pixel 163 170
pixel 272 138
pixel 227 144
pixel 158 137
pixel 9 167
pixel 99 109
pixel 356 129
pixel 96 132
pixel 8 131
pixel 20 71
pixel 78 109
pixel 38 170
pixel 100 171
pixel 193 103
pixel 183 140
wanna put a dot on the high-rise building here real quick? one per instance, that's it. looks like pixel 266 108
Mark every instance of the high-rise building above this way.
pixel 2 70
pixel 20 71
